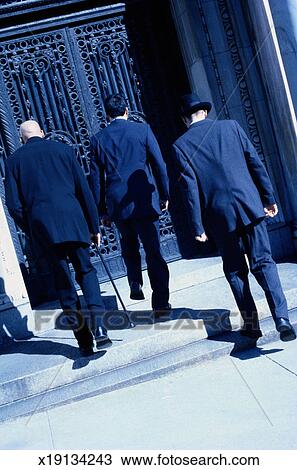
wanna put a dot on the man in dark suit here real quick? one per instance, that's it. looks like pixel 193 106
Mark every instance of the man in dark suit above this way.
pixel 49 198
pixel 228 194
pixel 126 155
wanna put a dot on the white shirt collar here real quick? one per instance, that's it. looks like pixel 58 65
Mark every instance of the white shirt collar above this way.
pixel 198 120
pixel 119 117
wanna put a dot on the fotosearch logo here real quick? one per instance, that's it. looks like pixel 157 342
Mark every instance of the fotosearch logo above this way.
pixel 214 321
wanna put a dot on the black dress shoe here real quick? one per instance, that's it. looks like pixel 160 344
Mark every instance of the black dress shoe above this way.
pixel 251 333
pixel 136 291
pixel 159 311
pixel 85 352
pixel 285 329
pixel 101 338
pixel 103 342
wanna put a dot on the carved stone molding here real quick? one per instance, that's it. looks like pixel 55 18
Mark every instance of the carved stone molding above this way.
pixel 240 74
pixel 240 77
pixel 213 61
pixel 21 6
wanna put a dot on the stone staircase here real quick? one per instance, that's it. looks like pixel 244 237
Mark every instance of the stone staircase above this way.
pixel 46 370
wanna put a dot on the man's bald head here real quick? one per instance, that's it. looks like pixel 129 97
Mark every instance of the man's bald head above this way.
pixel 30 129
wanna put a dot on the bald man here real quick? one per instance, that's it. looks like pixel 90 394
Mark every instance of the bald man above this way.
pixel 30 129
pixel 48 197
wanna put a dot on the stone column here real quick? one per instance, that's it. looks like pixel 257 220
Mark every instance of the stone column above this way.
pixel 268 56
pixel 15 310
pixel 185 15
pixel 12 286
pixel 284 14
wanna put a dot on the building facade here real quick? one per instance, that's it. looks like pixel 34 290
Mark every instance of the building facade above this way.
pixel 60 59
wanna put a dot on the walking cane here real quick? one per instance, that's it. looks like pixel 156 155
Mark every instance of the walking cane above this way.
pixel 112 282
pixel 110 277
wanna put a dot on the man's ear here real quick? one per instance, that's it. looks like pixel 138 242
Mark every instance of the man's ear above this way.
pixel 127 112
pixel 185 121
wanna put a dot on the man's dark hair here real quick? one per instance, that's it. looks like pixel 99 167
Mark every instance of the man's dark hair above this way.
pixel 115 105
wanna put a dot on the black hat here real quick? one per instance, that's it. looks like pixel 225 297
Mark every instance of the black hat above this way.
pixel 191 103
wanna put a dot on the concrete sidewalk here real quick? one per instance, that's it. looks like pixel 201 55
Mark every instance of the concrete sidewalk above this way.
pixel 46 371
pixel 247 401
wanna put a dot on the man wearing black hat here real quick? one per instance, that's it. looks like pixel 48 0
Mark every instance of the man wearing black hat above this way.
pixel 228 194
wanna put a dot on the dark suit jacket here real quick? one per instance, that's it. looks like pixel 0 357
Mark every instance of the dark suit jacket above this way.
pixel 225 185
pixel 47 193
pixel 125 155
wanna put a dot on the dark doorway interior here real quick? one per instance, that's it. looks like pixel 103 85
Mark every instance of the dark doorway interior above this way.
pixel 160 67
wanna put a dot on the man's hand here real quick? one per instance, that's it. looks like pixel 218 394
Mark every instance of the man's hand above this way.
pixel 95 238
pixel 164 205
pixel 271 210
pixel 201 238
pixel 105 220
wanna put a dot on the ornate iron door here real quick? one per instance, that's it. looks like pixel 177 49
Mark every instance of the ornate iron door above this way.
pixel 59 74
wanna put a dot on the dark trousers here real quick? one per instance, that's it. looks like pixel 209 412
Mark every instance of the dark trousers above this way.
pixel 149 233
pixel 254 241
pixel 85 275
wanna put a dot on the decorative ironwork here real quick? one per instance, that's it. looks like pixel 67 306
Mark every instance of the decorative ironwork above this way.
pixel 40 84
pixel 60 78
pixel 104 52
